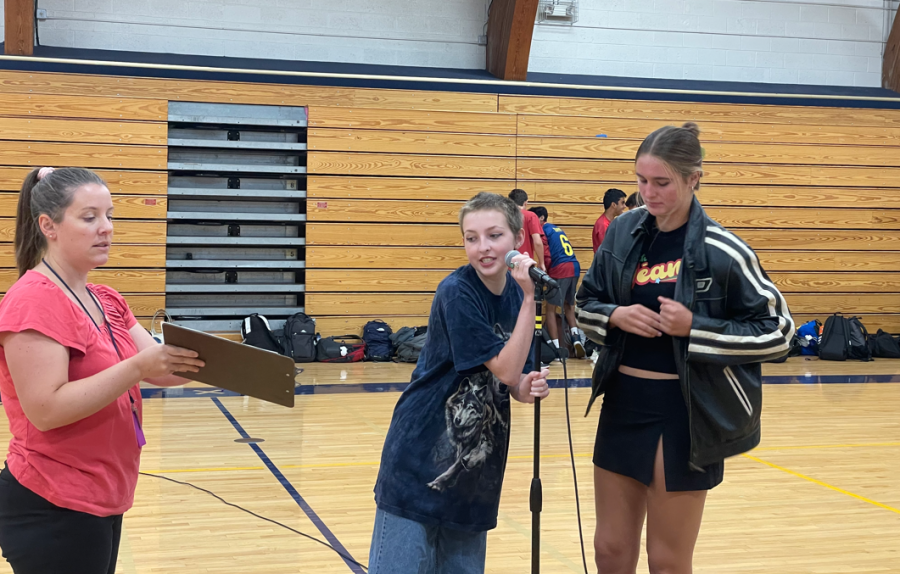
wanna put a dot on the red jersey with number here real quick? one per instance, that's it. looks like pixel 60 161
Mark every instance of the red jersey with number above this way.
pixel 90 465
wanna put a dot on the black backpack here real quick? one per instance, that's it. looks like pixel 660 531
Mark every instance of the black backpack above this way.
pixel 550 352
pixel 795 349
pixel 884 345
pixel 256 332
pixel 835 343
pixel 341 349
pixel 377 336
pixel 844 339
pixel 300 338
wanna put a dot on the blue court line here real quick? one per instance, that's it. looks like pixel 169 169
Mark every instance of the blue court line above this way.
pixel 399 387
pixel 307 509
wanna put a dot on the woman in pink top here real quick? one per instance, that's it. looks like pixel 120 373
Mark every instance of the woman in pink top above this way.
pixel 71 361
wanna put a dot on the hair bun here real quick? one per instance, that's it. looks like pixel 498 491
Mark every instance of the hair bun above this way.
pixel 693 128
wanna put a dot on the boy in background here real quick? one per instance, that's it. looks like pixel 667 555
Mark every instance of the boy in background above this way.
pixel 564 267
pixel 614 206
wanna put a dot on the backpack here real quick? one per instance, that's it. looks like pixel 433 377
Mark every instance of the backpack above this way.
pixel 401 336
pixel 808 334
pixel 884 345
pixel 859 340
pixel 548 351
pixel 795 349
pixel 341 349
pixel 844 339
pixel 377 337
pixel 300 338
pixel 256 332
pixel 835 343
pixel 409 350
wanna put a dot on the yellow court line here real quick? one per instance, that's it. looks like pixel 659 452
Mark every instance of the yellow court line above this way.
pixel 818 446
pixel 825 484
pixel 520 457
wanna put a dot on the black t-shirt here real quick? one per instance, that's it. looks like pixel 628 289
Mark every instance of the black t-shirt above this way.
pixel 656 275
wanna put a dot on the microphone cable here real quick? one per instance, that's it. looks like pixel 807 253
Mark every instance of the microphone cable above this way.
pixel 250 512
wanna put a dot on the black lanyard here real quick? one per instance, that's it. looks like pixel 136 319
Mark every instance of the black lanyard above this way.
pixel 102 313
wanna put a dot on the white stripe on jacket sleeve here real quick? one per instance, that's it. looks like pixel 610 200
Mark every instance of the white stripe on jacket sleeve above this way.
pixel 765 344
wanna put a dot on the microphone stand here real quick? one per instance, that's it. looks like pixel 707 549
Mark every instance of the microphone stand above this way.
pixel 536 497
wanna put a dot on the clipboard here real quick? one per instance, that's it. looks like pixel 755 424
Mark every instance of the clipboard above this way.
pixel 236 367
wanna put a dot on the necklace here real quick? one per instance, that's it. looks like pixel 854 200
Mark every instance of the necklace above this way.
pixel 96 302
pixel 139 433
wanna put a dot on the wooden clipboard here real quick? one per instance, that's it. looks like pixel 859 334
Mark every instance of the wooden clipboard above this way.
pixel 236 367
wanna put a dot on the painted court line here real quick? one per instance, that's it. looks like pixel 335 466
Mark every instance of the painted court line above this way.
pixel 820 483
pixel 307 509
pixel 820 446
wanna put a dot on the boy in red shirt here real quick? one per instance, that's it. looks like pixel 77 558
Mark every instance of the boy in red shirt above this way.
pixel 614 206
pixel 535 241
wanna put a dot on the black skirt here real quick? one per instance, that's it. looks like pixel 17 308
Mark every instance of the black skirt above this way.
pixel 635 414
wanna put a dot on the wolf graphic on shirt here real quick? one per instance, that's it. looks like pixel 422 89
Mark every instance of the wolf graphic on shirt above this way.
pixel 477 426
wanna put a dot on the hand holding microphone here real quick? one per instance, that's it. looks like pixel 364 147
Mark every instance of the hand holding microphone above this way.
pixel 537 276
pixel 519 265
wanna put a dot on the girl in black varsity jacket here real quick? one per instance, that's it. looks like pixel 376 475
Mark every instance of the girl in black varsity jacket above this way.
pixel 684 314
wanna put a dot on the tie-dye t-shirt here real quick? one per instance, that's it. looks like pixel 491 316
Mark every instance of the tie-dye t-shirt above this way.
pixel 445 453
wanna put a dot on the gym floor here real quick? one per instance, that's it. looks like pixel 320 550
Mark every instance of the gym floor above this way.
pixel 820 495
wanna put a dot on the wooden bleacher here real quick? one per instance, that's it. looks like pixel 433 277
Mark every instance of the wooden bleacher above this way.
pixel 815 190
pixel 810 188
pixel 124 139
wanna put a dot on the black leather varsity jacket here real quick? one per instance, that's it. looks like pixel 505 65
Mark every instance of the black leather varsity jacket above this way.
pixel 740 320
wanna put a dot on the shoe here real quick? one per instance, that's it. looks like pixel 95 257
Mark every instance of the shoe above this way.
pixel 579 349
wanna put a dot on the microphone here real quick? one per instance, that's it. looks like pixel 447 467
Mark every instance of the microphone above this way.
pixel 538 276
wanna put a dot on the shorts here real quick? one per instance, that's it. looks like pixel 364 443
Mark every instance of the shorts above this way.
pixel 565 294
pixel 635 414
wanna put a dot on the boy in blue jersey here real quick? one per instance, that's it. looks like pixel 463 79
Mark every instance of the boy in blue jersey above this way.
pixel 442 465
pixel 565 269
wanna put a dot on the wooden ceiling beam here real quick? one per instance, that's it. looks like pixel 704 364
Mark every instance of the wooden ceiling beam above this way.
pixel 890 71
pixel 510 28
pixel 19 27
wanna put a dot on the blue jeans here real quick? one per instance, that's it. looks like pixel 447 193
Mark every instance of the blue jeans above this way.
pixel 403 546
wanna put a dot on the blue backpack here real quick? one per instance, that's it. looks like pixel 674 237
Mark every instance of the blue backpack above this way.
pixel 377 336
pixel 808 333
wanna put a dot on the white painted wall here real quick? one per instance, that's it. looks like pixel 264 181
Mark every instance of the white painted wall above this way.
pixel 2 20
pixel 836 42
pixel 438 33
pixel 832 42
